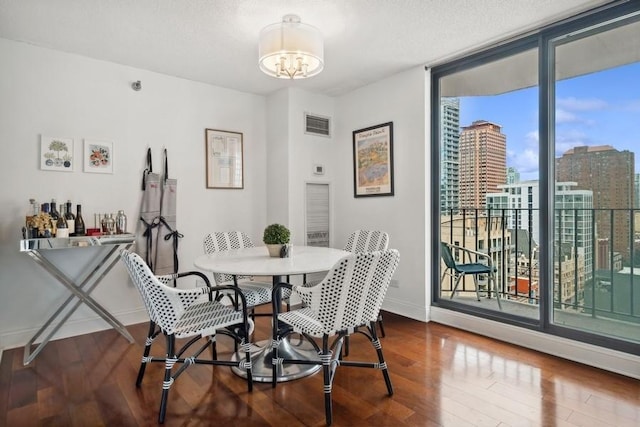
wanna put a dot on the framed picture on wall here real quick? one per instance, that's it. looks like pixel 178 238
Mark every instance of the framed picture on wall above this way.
pixel 373 161
pixel 56 154
pixel 98 156
pixel 224 165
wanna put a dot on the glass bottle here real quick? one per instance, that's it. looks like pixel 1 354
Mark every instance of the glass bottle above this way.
pixel 46 226
pixel 33 211
pixel 79 224
pixel 71 219
pixel 62 228
pixel 54 212
pixel 121 222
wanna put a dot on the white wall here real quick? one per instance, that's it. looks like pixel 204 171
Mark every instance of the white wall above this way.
pixel 400 99
pixel 45 92
pixel 293 153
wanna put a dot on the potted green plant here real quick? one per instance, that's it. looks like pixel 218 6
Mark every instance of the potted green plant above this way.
pixel 275 236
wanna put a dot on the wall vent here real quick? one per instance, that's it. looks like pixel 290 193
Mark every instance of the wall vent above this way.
pixel 317 125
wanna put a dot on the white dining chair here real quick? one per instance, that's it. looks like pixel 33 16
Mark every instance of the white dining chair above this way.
pixel 347 301
pixel 183 314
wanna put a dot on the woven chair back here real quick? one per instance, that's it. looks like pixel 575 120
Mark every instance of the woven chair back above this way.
pixel 163 303
pixel 367 241
pixel 353 291
pixel 224 241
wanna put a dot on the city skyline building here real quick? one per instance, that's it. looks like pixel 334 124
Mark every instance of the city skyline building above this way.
pixel 513 175
pixel 483 162
pixel 610 175
pixel 450 155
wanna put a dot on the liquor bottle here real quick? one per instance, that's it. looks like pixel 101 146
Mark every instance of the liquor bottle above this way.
pixel 79 224
pixel 71 219
pixel 54 212
pixel 62 228
pixel 47 226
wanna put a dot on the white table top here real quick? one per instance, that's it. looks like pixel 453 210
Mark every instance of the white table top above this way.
pixel 257 262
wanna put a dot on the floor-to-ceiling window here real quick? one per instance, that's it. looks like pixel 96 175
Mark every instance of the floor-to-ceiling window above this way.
pixel 596 93
pixel 537 177
pixel 489 179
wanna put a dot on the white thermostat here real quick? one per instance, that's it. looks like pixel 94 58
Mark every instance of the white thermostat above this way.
pixel 318 170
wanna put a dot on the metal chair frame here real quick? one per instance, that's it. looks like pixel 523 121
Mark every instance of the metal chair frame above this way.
pixel 458 270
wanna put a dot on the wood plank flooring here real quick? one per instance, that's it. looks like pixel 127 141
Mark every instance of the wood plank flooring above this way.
pixel 441 376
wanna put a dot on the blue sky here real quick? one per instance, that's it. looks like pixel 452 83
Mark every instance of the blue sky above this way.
pixel 601 108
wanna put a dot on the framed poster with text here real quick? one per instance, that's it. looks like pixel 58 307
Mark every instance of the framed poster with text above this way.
pixel 373 161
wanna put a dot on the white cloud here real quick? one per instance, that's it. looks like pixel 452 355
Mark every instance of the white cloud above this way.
pixel 569 139
pixel 575 104
pixel 526 160
pixel 564 116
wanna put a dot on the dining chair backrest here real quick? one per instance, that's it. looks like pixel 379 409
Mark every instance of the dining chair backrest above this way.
pixel 367 241
pixel 352 292
pixel 447 256
pixel 220 241
pixel 164 304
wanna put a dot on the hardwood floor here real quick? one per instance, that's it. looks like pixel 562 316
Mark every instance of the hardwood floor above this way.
pixel 441 376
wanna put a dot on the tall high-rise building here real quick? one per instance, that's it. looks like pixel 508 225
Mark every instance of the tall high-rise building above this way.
pixel 449 152
pixel 636 191
pixel 513 175
pixel 483 162
pixel 610 175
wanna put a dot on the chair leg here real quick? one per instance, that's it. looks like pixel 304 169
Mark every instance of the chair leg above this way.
pixel 145 354
pixel 214 347
pixel 475 283
pixel 167 377
pixel 385 372
pixel 455 287
pixel 326 369
pixel 492 278
pixel 381 326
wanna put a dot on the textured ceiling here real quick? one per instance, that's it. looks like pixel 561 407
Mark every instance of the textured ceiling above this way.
pixel 215 41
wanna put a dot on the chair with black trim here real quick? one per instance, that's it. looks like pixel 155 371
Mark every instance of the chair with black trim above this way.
pixel 458 270
pixel 367 241
pixel 347 301
pixel 256 292
pixel 188 313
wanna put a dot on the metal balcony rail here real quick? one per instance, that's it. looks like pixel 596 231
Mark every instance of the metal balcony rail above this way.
pixel 596 256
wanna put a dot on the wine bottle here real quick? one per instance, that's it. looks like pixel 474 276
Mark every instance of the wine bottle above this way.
pixel 62 228
pixel 71 219
pixel 54 212
pixel 79 224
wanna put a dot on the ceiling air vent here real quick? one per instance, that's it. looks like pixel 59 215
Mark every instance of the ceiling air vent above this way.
pixel 317 125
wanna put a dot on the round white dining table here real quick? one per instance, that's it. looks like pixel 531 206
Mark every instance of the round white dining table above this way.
pixel 257 262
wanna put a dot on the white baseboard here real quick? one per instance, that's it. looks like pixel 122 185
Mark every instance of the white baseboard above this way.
pixel 71 328
pixel 599 357
pixel 400 307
